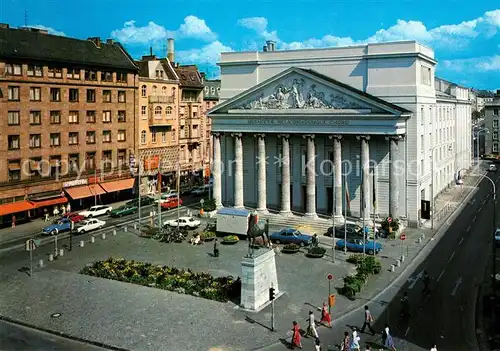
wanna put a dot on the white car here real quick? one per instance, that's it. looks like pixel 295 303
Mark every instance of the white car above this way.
pixel 166 198
pixel 89 225
pixel 95 211
pixel 492 168
pixel 184 222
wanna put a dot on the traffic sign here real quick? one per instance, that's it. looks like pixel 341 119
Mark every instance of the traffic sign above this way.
pixel 389 219
pixel 402 236
pixel 30 245
pixel 329 276
pixel 202 201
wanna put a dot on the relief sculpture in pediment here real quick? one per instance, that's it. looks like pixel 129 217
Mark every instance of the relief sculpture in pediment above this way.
pixel 298 95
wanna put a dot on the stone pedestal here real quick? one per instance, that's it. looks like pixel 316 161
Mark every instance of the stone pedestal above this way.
pixel 258 274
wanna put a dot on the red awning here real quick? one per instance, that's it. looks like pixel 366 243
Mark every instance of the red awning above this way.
pixel 117 185
pixel 15 207
pixel 50 202
pixel 82 192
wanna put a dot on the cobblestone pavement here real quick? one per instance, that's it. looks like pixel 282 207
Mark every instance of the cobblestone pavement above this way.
pixel 141 318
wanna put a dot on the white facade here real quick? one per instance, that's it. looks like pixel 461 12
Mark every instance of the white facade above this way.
pixel 383 91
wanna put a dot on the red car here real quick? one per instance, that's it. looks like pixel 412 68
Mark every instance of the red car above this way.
pixel 171 203
pixel 74 217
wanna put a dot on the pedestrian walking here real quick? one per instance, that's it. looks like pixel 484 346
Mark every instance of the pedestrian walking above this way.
pixel 355 341
pixel 46 215
pixel 388 343
pixel 216 250
pixel 325 316
pixel 296 336
pixel 345 345
pixel 13 221
pixel 368 348
pixel 55 212
pixel 434 348
pixel 63 210
pixel 315 240
pixel 368 321
pixel 317 345
pixel 68 208
pixel 311 330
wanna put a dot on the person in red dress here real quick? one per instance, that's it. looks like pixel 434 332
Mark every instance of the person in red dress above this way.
pixel 325 316
pixel 296 336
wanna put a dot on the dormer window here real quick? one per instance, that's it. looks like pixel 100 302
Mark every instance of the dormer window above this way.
pixel 106 76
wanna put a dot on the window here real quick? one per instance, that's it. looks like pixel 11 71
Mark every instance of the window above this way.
pixel 13 93
pixel 73 138
pixel 73 73
pixel 169 110
pixel 106 76
pixel 14 170
pixel 143 91
pixel 425 75
pixel 121 135
pixel 422 116
pixel 73 95
pixel 55 117
pixel 55 139
pixel 495 147
pixel 90 137
pixel 74 163
pixel 55 72
pixel 173 92
pixel 14 142
pixel 73 117
pixel 107 158
pixel 90 117
pixel 35 71
pixel 90 75
pixel 121 77
pixel 122 157
pixel 189 95
pixel 90 160
pixel 143 137
pixel 55 165
pixel 422 167
pixel 143 110
pixel 35 140
pixel 153 137
pixel 106 136
pixel 157 112
pixel 122 96
pixel 106 116
pixel 495 123
pixel 121 116
pixel 164 91
pixel 35 117
pixel 495 135
pixel 154 90
pixel 495 112
pixel 90 95
pixel 106 96
pixel 13 118
pixel 173 135
pixel 55 94
pixel 35 94
pixel 163 137
pixel 13 69
pixel 35 167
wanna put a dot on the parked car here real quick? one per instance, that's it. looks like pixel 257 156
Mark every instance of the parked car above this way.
pixel 95 211
pixel 351 229
pixel 201 190
pixel 89 225
pixel 73 216
pixel 356 245
pixel 497 237
pixel 123 210
pixel 291 236
pixel 63 225
pixel 493 168
pixel 184 222
pixel 145 200
pixel 166 197
pixel 171 203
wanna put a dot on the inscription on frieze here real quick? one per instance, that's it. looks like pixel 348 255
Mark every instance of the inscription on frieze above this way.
pixel 299 122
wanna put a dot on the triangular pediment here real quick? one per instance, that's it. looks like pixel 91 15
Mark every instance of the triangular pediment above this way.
pixel 297 89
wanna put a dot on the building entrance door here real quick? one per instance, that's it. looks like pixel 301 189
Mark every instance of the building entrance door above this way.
pixel 329 200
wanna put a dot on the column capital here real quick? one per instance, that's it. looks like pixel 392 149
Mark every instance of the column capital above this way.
pixel 308 136
pixel 395 138
pixel 363 137
pixel 216 134
pixel 236 135
pixel 335 136
pixel 284 136
pixel 260 135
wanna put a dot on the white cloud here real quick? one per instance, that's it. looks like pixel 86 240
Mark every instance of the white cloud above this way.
pixel 194 27
pixel 208 54
pixel 49 29
pixel 477 64
pixel 259 25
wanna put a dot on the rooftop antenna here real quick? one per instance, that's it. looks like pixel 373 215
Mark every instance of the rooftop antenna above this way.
pixel 25 16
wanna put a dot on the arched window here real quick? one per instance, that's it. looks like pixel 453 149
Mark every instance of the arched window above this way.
pixel 154 90
pixel 143 137
pixel 173 92
pixel 143 91
pixel 164 91
pixel 169 110
pixel 157 111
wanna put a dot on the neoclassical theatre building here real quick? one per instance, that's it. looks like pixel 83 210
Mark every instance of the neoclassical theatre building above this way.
pixel 291 124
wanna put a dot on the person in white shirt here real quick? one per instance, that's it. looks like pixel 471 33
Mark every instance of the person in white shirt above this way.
pixel 311 330
pixel 355 341
pixel 434 348
pixel 317 345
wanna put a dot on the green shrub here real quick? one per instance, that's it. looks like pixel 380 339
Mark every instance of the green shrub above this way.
pixel 317 251
pixel 355 258
pixel 209 205
pixel 208 235
pixel 291 247
pixel 231 238
pixel 365 267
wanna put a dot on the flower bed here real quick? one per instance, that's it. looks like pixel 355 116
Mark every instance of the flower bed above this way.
pixel 365 267
pixel 316 252
pixel 291 248
pixel 230 239
pixel 208 236
pixel 182 281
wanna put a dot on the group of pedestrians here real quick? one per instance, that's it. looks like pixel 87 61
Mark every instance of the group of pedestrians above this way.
pixel 55 212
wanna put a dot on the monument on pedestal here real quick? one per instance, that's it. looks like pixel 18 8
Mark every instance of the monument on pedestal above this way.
pixel 258 268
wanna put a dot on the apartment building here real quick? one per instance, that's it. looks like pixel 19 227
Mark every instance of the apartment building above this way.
pixel 69 129
pixel 492 124
pixel 210 99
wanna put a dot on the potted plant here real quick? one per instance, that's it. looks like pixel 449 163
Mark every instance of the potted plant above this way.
pixel 391 225
pixel 291 248
pixel 316 252
pixel 230 239
pixel 208 236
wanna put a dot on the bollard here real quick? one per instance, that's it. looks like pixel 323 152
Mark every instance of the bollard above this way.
pixel 82 243
pixel 114 231
pixel 92 239
pixel 125 229
pixel 40 263
pixel 398 263
pixel 51 257
pixel 103 236
pixel 61 252
pixel 393 268
pixel 135 225
pixel 419 240
pixel 402 258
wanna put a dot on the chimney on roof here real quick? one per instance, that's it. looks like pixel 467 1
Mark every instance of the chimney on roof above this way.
pixel 271 45
pixel 150 51
pixel 96 41
pixel 498 92
pixel 170 49
pixel 4 25
pixel 110 41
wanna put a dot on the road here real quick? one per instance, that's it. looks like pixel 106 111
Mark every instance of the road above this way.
pixel 14 337
pixel 447 317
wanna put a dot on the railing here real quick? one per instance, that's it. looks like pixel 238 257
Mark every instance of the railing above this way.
pixel 161 99
pixel 163 121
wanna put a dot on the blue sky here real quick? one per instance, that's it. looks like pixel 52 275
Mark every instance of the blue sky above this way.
pixel 465 35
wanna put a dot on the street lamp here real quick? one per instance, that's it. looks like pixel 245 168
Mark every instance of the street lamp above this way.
pixel 477 139
pixel 432 185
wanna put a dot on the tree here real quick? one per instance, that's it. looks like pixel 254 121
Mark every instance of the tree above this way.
pixel 476 115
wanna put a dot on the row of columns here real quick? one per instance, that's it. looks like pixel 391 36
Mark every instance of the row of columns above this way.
pixel 310 174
